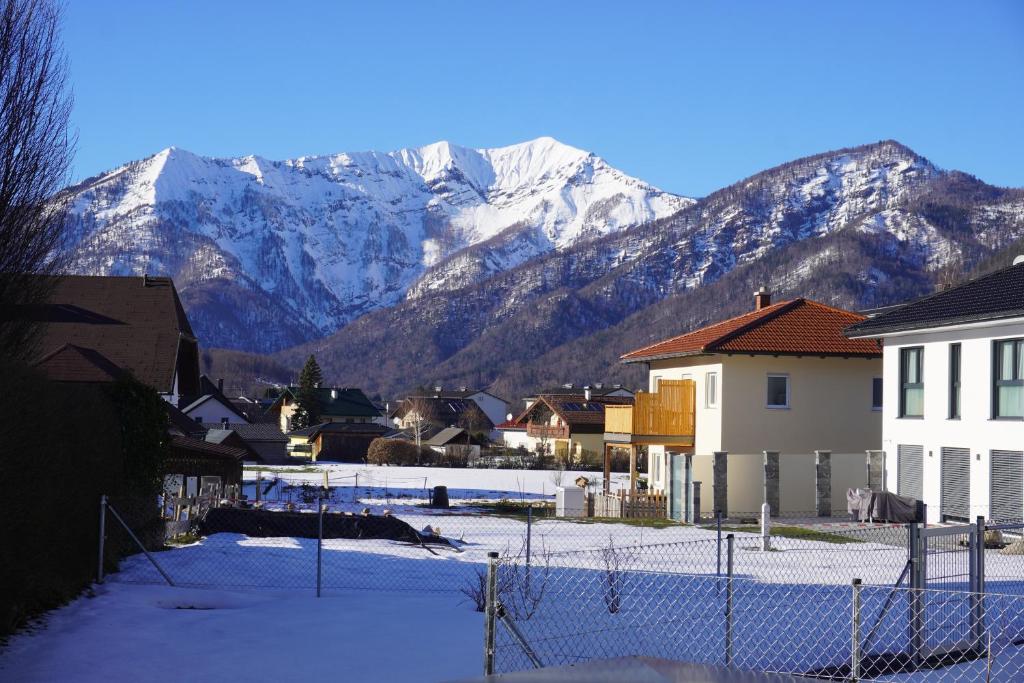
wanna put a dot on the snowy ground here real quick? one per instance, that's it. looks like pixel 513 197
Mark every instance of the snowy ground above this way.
pixel 158 633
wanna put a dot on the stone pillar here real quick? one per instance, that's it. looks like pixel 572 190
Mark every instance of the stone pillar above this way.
pixel 607 469
pixel 720 485
pixel 875 462
pixel 823 488
pixel 632 469
pixel 771 480
pixel 694 511
pixel 688 487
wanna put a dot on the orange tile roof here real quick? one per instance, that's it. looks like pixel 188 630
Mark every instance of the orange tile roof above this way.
pixel 796 327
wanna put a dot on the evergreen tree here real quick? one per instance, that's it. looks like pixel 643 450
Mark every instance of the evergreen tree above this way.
pixel 307 412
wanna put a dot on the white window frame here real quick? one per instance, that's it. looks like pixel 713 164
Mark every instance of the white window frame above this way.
pixel 711 379
pixel 655 383
pixel 770 375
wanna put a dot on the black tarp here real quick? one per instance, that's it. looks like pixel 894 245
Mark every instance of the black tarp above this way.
pixel 266 523
pixel 889 507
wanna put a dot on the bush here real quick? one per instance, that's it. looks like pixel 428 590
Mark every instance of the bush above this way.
pixel 396 452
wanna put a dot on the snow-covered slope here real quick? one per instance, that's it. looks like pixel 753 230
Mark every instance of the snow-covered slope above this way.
pixel 270 253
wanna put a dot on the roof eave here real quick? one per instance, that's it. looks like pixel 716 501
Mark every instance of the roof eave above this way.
pixel 887 330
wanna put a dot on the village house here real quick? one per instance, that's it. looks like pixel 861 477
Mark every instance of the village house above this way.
pixel 337 404
pixel 953 409
pixel 212 406
pixel 431 414
pixel 597 389
pixel 493 407
pixel 569 427
pixel 757 402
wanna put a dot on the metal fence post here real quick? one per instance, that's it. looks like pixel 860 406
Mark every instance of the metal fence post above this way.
pixel 916 623
pixel 355 487
pixel 103 534
pixel 319 545
pixel 978 611
pixel 730 547
pixel 490 611
pixel 855 633
pixel 529 531
pixel 718 524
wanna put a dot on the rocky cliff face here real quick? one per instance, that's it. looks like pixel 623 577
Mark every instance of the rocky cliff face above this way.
pixel 268 254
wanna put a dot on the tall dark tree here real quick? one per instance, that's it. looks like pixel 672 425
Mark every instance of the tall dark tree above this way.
pixel 307 412
pixel 36 149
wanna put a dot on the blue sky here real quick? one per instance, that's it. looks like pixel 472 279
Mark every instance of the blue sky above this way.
pixel 689 96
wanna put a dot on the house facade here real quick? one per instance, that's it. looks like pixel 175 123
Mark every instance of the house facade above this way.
pixel 777 384
pixel 568 427
pixel 337 404
pixel 953 415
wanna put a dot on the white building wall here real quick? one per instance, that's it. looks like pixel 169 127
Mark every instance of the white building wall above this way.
pixel 494 408
pixel 975 430
pixel 213 411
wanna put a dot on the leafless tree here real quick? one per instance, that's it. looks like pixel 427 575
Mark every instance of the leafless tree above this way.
pixel 419 413
pixel 36 148
pixel 474 420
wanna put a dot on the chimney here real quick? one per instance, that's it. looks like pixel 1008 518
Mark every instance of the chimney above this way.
pixel 438 388
pixel 586 393
pixel 224 423
pixel 220 385
pixel 145 279
pixel 334 394
pixel 762 299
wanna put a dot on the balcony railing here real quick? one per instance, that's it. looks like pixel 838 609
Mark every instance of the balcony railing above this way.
pixel 667 412
pixel 544 431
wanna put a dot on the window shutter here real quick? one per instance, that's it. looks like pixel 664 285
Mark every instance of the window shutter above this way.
pixel 955 499
pixel 1006 486
pixel 909 468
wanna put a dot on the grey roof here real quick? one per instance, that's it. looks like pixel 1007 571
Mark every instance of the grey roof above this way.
pixel 445 436
pixel 996 296
pixel 218 435
pixel 259 431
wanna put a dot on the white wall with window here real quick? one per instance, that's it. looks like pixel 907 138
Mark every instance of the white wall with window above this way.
pixel 953 417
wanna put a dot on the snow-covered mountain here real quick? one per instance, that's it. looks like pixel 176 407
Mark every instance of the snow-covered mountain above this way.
pixel 268 254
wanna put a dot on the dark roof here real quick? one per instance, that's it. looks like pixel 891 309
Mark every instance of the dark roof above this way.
pixel 181 423
pixel 184 445
pixel 347 428
pixel 796 327
pixel 136 323
pixel 574 390
pixel 576 410
pixel 346 401
pixel 996 296
pixel 71 363
pixel 260 431
pixel 447 411
pixel 446 436
pixel 461 392
pixel 252 410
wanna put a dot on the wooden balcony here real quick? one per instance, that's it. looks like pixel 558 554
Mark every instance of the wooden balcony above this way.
pixel 664 417
pixel 545 431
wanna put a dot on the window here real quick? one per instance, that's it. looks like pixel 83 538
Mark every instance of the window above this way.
pixel 911 382
pixel 778 391
pixel 954 381
pixel 657 467
pixel 876 393
pixel 1008 387
pixel 711 389
pixel 655 383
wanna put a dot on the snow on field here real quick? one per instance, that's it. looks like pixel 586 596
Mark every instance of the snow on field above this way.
pixel 158 633
pixel 413 484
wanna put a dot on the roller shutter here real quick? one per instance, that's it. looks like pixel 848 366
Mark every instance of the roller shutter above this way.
pixel 909 466
pixel 955 500
pixel 1006 486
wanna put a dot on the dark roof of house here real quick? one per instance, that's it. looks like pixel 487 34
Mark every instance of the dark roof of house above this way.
pixel 181 423
pixel 798 327
pixel 71 363
pixel 574 390
pixel 136 323
pixel 575 410
pixel 345 402
pixel 445 411
pixel 260 431
pixel 252 411
pixel 188 446
pixel 996 296
pixel 461 392
pixel 446 436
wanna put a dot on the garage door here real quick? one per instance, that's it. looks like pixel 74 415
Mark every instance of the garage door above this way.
pixel 909 465
pixel 955 500
pixel 1006 481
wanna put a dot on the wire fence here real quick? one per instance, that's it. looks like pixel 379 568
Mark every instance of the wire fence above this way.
pixel 561 615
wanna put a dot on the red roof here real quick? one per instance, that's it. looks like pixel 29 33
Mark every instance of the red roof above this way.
pixel 797 327
pixel 510 425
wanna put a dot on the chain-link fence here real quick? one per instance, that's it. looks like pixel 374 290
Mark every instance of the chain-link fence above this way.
pixel 552 615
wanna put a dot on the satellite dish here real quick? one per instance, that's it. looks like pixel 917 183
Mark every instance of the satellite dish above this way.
pixel 1019 260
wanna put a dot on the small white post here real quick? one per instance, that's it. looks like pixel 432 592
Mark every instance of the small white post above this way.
pixel 326 484
pixel 766 526
pixel 354 488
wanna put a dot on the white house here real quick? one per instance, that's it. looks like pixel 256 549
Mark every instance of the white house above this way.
pixel 953 416
pixel 782 378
